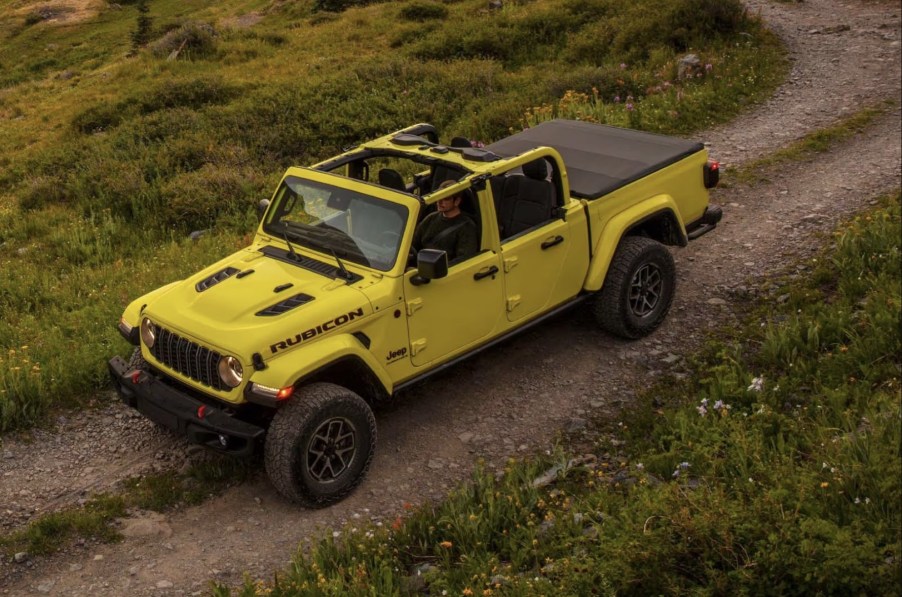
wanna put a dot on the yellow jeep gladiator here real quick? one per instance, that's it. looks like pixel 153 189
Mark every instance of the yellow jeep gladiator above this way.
pixel 286 345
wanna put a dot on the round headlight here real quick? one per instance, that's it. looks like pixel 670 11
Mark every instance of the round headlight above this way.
pixel 148 332
pixel 230 371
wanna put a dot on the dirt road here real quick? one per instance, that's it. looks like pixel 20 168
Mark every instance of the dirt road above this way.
pixel 514 399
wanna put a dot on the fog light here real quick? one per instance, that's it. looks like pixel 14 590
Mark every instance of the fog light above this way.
pixel 148 332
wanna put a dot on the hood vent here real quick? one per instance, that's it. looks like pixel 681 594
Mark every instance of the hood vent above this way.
pixel 286 305
pixel 215 279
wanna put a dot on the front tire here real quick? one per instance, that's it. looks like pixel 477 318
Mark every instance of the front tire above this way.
pixel 638 289
pixel 320 444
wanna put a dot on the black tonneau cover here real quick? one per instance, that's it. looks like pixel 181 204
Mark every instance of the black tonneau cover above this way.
pixel 599 158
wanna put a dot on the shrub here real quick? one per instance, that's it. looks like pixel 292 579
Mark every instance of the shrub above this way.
pixel 423 10
pixel 695 21
pixel 41 191
pixel 196 200
pixel 97 118
pixel 186 93
pixel 193 39
pixel 337 5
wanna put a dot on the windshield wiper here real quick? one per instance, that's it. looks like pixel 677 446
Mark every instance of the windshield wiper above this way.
pixel 342 270
pixel 291 252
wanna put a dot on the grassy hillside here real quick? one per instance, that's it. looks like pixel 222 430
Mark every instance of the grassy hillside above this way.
pixel 121 131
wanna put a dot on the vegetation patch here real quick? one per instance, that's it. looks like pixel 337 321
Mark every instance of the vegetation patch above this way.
pixel 96 519
pixel 812 144
pixel 773 469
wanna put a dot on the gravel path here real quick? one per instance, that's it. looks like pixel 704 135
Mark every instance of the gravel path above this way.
pixel 515 398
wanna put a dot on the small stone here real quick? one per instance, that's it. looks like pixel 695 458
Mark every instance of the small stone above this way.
pixel 716 301
pixel 466 437
pixel 20 557
pixel 98 558
pixel 46 586
pixel 576 424
pixel 74 567
pixel 7 455
pixel 435 464
pixel 164 584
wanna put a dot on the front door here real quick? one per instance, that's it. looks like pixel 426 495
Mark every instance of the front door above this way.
pixel 452 314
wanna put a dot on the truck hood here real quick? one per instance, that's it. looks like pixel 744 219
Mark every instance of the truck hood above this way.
pixel 253 303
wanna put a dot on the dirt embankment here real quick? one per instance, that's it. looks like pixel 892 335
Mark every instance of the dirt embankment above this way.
pixel 512 400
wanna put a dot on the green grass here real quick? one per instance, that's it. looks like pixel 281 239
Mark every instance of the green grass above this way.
pixel 111 157
pixel 773 470
pixel 95 520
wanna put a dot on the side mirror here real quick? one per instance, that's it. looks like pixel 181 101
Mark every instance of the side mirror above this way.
pixel 261 208
pixel 432 264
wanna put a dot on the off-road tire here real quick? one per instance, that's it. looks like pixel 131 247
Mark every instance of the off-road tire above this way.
pixel 136 361
pixel 304 432
pixel 638 289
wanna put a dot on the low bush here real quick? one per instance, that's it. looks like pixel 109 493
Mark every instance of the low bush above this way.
pixel 423 10
pixel 200 199
pixel 98 118
pixel 193 92
pixel 191 40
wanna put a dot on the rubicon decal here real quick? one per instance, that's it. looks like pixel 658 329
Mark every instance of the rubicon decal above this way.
pixel 316 331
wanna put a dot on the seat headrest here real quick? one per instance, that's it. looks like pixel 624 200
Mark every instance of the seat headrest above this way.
pixel 536 169
pixel 392 179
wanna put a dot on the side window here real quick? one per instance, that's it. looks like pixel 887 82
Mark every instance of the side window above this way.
pixel 526 198
pixel 454 225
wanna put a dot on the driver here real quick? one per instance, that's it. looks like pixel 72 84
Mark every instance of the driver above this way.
pixel 448 229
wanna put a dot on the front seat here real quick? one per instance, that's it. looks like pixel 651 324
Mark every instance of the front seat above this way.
pixel 391 179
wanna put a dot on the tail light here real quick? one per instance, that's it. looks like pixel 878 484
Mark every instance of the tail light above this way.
pixel 712 174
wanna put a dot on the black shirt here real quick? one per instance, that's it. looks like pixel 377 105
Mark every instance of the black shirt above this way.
pixel 459 242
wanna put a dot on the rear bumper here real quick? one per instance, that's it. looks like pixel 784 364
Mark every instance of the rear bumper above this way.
pixel 179 412
pixel 705 224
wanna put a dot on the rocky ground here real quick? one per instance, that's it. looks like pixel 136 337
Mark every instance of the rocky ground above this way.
pixel 516 398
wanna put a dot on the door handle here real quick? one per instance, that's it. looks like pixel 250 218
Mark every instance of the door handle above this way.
pixel 553 241
pixel 486 273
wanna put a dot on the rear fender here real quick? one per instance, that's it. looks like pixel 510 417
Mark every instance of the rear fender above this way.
pixel 628 222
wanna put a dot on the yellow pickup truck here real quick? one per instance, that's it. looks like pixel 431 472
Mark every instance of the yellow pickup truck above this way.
pixel 286 345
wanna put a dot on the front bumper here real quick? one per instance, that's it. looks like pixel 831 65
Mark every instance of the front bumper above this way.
pixel 181 413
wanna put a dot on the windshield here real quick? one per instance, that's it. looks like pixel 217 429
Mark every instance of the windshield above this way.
pixel 358 228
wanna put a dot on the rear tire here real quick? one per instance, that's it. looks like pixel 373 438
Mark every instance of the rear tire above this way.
pixel 320 445
pixel 638 289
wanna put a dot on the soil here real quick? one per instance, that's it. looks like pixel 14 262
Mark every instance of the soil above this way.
pixel 517 398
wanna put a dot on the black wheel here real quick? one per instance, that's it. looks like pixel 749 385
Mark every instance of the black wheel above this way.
pixel 638 289
pixel 320 444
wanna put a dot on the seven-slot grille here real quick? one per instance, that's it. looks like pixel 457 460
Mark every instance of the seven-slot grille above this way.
pixel 190 359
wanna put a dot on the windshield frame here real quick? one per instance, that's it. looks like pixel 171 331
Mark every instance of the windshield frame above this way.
pixel 323 222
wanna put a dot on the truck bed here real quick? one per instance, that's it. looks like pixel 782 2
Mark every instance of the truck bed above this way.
pixel 599 158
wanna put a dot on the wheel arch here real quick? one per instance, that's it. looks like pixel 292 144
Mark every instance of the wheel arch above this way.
pixel 342 360
pixel 658 219
pixel 352 373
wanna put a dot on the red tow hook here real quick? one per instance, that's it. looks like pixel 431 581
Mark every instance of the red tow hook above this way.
pixel 136 376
